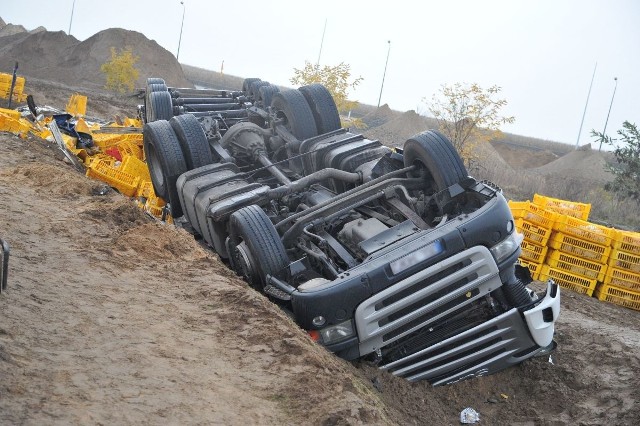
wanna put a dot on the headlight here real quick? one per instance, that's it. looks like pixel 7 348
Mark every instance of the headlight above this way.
pixel 506 247
pixel 337 332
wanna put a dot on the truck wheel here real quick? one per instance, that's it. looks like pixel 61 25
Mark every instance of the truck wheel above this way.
pixel 161 106
pixel 436 158
pixel 322 106
pixel 291 106
pixel 157 87
pixel 265 95
pixel 165 160
pixel 246 84
pixel 255 86
pixel 255 246
pixel 193 141
pixel 154 80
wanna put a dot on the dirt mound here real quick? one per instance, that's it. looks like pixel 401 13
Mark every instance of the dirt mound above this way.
pixel 62 58
pixel 523 157
pixel 10 29
pixel 398 130
pixel 85 58
pixel 379 117
pixel 582 164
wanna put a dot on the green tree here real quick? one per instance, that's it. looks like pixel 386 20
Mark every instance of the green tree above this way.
pixel 626 183
pixel 468 115
pixel 337 80
pixel 120 72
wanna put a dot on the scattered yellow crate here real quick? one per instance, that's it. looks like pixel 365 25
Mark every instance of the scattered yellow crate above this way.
pixel 533 252
pixel 134 166
pixel 533 267
pixel 576 265
pixel 568 280
pixel 623 260
pixel 578 247
pixel 107 140
pixel 584 230
pixel 627 241
pixel 534 233
pixel 129 147
pixel 569 208
pixel 619 296
pixel 124 182
pixel 532 213
pixel 621 278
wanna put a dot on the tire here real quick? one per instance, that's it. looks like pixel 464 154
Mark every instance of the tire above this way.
pixel 246 84
pixel 157 87
pixel 291 106
pixel 265 95
pixel 154 80
pixel 165 160
pixel 193 141
pixel 323 107
pixel 161 106
pixel 436 158
pixel 255 86
pixel 252 234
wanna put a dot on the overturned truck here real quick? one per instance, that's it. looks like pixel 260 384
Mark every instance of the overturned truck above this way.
pixel 392 255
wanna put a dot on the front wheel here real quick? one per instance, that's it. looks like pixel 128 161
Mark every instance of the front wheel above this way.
pixel 435 159
pixel 256 249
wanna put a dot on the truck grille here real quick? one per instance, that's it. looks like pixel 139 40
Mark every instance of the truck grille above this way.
pixel 425 298
pixel 482 350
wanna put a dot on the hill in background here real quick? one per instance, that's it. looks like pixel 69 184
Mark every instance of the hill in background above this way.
pixel 56 56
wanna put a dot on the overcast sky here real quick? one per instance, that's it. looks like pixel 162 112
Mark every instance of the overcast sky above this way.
pixel 542 53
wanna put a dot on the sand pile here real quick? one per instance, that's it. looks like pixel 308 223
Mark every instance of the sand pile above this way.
pixel 59 57
pixel 379 116
pixel 582 164
pixel 396 131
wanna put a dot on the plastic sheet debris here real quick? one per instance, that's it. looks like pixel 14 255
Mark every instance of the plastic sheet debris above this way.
pixel 469 416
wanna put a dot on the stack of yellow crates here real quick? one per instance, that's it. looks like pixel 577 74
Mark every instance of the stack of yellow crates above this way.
pixel 18 88
pixel 621 284
pixel 535 223
pixel 579 253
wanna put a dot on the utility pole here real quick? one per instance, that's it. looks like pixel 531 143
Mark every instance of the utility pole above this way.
pixel 321 43
pixel 385 72
pixel 184 8
pixel 607 120
pixel 73 6
pixel 585 104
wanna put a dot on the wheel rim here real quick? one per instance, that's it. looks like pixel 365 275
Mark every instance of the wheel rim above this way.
pixel 245 265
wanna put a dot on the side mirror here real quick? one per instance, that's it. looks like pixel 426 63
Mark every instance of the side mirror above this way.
pixel 4 264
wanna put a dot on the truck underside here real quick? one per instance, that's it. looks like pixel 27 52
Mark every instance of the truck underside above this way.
pixel 396 255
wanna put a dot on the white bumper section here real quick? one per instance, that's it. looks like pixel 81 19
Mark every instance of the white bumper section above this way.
pixel 542 317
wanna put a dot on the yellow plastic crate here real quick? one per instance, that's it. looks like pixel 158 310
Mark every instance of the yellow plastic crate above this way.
pixel 622 278
pixel 130 147
pixel 533 252
pixel 565 207
pixel 577 247
pixel 623 260
pixel 532 213
pixel 619 296
pixel 532 232
pixel 132 165
pixel 627 241
pixel 107 140
pixel 584 230
pixel 567 280
pixel 576 265
pixel 124 182
pixel 534 268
